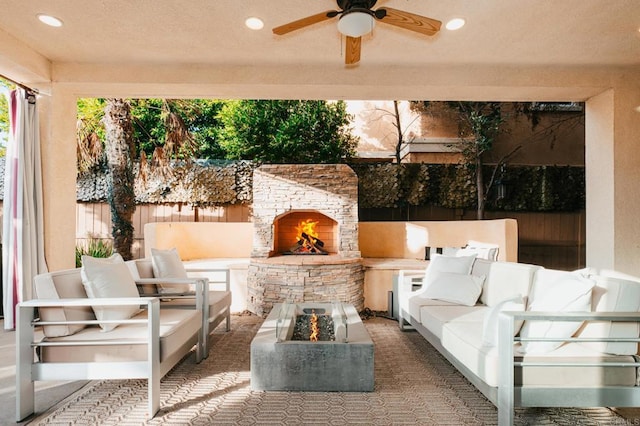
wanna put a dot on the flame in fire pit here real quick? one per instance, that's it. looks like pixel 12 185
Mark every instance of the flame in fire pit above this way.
pixel 313 337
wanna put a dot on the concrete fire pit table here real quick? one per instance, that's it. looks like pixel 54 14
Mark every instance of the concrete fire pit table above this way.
pixel 344 364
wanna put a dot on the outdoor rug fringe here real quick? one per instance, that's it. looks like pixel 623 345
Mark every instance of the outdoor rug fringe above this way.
pixel 414 385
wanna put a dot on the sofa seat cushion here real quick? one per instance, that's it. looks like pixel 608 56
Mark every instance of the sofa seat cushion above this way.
pixel 417 301
pixel 434 317
pixel 178 327
pixel 464 341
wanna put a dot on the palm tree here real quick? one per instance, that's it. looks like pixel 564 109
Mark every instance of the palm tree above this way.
pixel 120 152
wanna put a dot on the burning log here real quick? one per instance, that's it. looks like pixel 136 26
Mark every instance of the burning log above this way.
pixel 307 245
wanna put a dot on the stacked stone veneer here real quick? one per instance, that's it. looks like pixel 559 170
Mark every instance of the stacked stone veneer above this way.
pixel 330 189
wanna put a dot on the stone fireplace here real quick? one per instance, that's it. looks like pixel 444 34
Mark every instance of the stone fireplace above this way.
pixel 284 198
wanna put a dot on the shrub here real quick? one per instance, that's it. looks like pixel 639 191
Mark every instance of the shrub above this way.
pixel 95 247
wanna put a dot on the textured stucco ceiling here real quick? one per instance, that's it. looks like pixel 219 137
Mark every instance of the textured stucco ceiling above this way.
pixel 205 32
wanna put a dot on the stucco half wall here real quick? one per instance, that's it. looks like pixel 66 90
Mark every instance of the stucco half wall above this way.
pixel 386 247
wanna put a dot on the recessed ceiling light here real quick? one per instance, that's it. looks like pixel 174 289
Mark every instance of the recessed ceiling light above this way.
pixel 254 23
pixel 455 24
pixel 49 20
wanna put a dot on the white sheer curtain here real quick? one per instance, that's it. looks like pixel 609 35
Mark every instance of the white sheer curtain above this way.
pixel 23 230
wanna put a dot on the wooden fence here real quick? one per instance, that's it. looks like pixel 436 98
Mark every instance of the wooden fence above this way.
pixel 93 220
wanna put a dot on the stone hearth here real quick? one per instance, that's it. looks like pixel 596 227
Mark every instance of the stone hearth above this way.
pixel 324 191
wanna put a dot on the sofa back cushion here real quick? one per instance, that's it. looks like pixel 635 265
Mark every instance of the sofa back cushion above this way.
pixel 613 295
pixel 66 284
pixel 564 292
pixel 507 280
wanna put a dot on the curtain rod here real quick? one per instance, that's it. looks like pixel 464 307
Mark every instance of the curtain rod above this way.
pixel 20 85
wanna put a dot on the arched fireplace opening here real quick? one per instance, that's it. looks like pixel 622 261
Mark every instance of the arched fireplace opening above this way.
pixel 305 232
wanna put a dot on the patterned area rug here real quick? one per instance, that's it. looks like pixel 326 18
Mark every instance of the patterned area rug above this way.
pixel 414 385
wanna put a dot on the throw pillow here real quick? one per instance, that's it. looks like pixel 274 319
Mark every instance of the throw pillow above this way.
pixel 430 252
pixel 571 293
pixel 109 277
pixel 482 250
pixel 490 324
pixel 167 264
pixel 452 264
pixel 462 289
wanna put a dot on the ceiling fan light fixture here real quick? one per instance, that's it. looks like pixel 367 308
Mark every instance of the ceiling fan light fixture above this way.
pixel 356 23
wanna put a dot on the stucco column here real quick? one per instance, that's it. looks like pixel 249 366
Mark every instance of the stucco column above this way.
pixel 59 178
pixel 612 157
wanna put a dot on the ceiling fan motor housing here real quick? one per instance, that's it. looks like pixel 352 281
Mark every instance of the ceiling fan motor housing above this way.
pixel 360 4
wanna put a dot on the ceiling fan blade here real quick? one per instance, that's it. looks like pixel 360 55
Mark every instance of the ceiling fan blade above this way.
pixel 305 22
pixel 410 21
pixel 352 50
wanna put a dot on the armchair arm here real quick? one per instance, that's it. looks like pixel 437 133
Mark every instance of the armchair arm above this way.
pixel 201 294
pixel 224 272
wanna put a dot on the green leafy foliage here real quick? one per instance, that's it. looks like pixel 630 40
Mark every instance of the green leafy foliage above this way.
pixel 199 117
pixel 4 115
pixel 95 247
pixel 285 131
pixel 274 131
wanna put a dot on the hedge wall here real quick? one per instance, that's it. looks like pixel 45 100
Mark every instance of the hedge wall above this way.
pixel 528 188
pixel 545 188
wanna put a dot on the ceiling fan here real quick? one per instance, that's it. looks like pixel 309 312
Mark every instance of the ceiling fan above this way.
pixel 357 18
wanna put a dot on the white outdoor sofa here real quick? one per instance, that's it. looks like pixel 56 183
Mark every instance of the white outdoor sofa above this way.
pixel 535 337
pixel 146 346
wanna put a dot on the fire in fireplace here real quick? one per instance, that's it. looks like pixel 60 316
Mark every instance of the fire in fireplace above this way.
pixel 308 241
pixel 305 233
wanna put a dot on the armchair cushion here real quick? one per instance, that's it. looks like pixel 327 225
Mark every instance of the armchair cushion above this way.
pixel 62 285
pixel 109 277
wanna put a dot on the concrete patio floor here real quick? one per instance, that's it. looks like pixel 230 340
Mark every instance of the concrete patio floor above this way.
pixel 48 394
